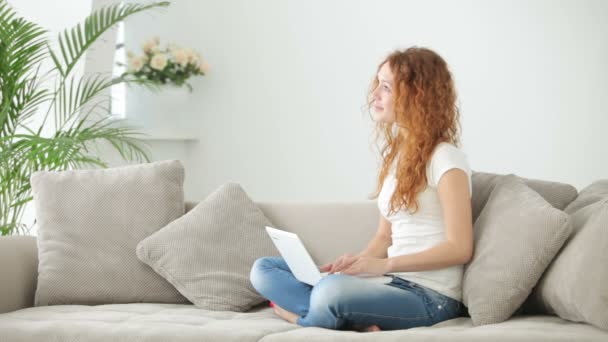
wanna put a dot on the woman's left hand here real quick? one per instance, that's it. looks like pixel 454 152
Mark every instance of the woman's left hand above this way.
pixel 370 266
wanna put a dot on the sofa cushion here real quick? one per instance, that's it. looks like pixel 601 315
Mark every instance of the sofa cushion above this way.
pixel 516 235
pixel 148 322
pixel 559 195
pixel 517 329
pixel 358 220
pixel 592 193
pixel 138 322
pixel 580 296
pixel 207 254
pixel 89 222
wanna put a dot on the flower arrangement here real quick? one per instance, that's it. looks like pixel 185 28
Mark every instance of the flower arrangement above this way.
pixel 173 64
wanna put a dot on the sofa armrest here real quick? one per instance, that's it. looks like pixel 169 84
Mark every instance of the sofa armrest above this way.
pixel 18 272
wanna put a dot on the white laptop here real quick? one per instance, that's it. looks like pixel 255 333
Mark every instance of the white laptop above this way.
pixel 297 257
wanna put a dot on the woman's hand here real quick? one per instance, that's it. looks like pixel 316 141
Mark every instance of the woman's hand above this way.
pixel 370 266
pixel 340 264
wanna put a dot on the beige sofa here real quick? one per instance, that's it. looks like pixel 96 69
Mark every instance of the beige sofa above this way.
pixel 342 226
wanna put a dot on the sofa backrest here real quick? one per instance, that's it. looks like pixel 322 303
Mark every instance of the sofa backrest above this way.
pixel 327 229
pixel 559 195
pixel 330 229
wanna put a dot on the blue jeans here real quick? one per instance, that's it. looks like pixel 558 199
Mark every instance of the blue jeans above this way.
pixel 345 302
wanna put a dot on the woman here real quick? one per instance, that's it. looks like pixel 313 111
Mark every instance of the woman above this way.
pixel 425 233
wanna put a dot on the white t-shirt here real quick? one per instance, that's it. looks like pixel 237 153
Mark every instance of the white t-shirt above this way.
pixel 425 228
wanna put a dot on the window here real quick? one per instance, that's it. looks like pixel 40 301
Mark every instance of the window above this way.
pixel 119 91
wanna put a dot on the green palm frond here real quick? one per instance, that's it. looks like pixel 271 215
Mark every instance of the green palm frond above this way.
pixel 126 140
pixel 22 48
pixel 6 13
pixel 76 94
pixel 31 96
pixel 73 43
pixel 74 101
pixel 69 148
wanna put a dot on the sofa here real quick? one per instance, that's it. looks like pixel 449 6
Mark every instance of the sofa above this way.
pixel 343 226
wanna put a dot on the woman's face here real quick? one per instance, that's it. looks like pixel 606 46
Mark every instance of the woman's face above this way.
pixel 382 96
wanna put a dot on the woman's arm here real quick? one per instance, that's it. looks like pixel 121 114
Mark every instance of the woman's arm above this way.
pixel 453 191
pixel 380 242
pixel 376 248
pixel 455 200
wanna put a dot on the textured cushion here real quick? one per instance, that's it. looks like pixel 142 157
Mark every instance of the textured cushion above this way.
pixel 138 322
pixel 89 222
pixel 559 195
pixel 516 236
pixel 148 322
pixel 207 254
pixel 575 285
pixel 591 194
pixel 594 192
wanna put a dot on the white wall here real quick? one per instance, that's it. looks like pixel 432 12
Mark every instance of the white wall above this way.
pixel 280 111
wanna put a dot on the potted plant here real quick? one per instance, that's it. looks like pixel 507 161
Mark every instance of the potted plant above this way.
pixel 75 114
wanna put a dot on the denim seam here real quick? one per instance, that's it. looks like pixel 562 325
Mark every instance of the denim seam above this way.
pixel 338 318
pixel 443 299
pixel 384 316
pixel 418 291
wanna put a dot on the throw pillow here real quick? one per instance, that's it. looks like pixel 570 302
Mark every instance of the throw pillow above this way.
pixel 89 222
pixel 558 194
pixel 516 236
pixel 574 286
pixel 207 254
pixel 592 193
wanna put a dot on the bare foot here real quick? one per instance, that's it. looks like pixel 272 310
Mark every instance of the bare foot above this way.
pixel 372 328
pixel 284 314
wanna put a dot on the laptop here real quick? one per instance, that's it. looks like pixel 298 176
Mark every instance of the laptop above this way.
pixel 297 257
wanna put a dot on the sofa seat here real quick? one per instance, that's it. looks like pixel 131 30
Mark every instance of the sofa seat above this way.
pixel 137 322
pixel 537 328
pixel 179 322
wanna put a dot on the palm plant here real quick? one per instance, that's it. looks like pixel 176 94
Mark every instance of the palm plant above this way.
pixel 79 108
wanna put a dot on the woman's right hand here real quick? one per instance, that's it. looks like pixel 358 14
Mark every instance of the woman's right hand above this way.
pixel 340 264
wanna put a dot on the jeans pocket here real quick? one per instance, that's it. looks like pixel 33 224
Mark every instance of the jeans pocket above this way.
pixel 442 307
pixel 454 306
pixel 436 303
pixel 410 286
pixel 437 298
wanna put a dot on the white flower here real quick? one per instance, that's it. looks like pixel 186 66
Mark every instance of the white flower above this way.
pixel 157 40
pixel 194 58
pixel 172 47
pixel 149 45
pixel 189 53
pixel 181 57
pixel 203 67
pixel 158 62
pixel 130 54
pixel 135 64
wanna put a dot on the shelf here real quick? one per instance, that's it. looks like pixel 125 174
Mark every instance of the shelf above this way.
pixel 169 138
pixel 153 135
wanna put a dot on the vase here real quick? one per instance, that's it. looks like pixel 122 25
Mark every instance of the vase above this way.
pixel 166 112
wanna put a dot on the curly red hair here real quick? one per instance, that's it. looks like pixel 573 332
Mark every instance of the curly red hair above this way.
pixel 426 114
